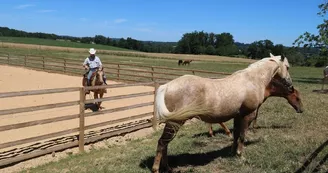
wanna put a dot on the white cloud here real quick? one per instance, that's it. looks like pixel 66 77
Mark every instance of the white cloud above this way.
pixel 23 6
pixel 120 20
pixel 45 11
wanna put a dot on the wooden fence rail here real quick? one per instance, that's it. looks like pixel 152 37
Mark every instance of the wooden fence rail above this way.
pixel 80 130
pixel 117 71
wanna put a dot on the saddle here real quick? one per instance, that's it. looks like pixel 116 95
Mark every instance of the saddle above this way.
pixel 92 79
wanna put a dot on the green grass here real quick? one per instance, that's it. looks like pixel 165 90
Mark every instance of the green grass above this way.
pixel 282 144
pixel 48 42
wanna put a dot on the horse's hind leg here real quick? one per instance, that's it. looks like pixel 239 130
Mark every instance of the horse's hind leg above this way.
pixel 168 135
pixel 227 131
pixel 210 131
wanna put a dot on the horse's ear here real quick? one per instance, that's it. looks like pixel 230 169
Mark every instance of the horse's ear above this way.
pixel 282 57
pixel 271 55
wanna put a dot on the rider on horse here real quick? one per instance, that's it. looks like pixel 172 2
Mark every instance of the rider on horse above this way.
pixel 91 64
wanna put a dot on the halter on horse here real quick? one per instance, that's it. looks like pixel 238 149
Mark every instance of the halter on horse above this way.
pixel 274 89
pixel 236 96
pixel 96 80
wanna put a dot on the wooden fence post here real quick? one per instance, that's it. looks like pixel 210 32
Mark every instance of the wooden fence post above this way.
pixel 81 124
pixel 156 85
pixel 64 65
pixel 118 71
pixel 152 74
pixel 193 72
pixel 25 59
pixel 43 63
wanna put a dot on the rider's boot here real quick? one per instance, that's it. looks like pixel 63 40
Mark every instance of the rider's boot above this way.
pixel 88 84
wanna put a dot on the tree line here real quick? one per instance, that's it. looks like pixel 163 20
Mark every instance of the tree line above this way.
pixel 129 43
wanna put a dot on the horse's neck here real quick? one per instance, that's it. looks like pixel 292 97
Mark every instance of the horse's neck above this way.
pixel 262 73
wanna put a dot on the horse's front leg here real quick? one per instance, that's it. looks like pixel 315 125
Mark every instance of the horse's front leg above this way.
pixel 242 124
pixel 95 96
pixel 101 94
pixel 168 135
pixel 254 117
pixel 210 131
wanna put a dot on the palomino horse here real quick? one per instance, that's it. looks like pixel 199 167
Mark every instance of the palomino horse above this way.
pixel 274 89
pixel 325 76
pixel 96 80
pixel 236 96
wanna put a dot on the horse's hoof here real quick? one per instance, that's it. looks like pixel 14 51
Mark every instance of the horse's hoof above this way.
pixel 155 171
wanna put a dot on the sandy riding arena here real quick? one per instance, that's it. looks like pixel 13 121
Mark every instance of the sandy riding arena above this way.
pixel 20 79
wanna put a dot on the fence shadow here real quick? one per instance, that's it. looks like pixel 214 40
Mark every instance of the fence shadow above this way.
pixel 309 160
pixel 324 91
pixel 308 80
pixel 198 159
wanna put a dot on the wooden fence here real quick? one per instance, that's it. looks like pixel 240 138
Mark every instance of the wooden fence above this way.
pixel 127 72
pixel 82 140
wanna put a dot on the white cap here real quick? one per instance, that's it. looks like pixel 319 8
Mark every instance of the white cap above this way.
pixel 92 51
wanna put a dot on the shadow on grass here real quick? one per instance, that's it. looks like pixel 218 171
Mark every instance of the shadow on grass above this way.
pixel 309 160
pixel 324 91
pixel 273 127
pixel 197 159
pixel 218 131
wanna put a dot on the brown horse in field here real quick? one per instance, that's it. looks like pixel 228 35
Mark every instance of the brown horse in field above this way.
pixel 185 62
pixel 274 89
pixel 236 96
pixel 96 80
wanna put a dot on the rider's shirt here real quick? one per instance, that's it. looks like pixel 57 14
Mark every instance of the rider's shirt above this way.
pixel 93 64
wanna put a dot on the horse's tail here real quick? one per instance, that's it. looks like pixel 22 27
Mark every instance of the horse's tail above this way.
pixel 162 114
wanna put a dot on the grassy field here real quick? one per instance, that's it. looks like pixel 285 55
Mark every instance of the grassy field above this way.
pixel 60 43
pixel 284 141
pixel 38 47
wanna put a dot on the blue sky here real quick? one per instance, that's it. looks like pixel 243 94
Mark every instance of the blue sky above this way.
pixel 280 21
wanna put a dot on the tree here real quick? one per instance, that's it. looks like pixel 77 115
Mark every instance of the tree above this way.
pixel 308 40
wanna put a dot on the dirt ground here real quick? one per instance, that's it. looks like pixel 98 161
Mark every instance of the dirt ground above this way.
pixel 20 79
